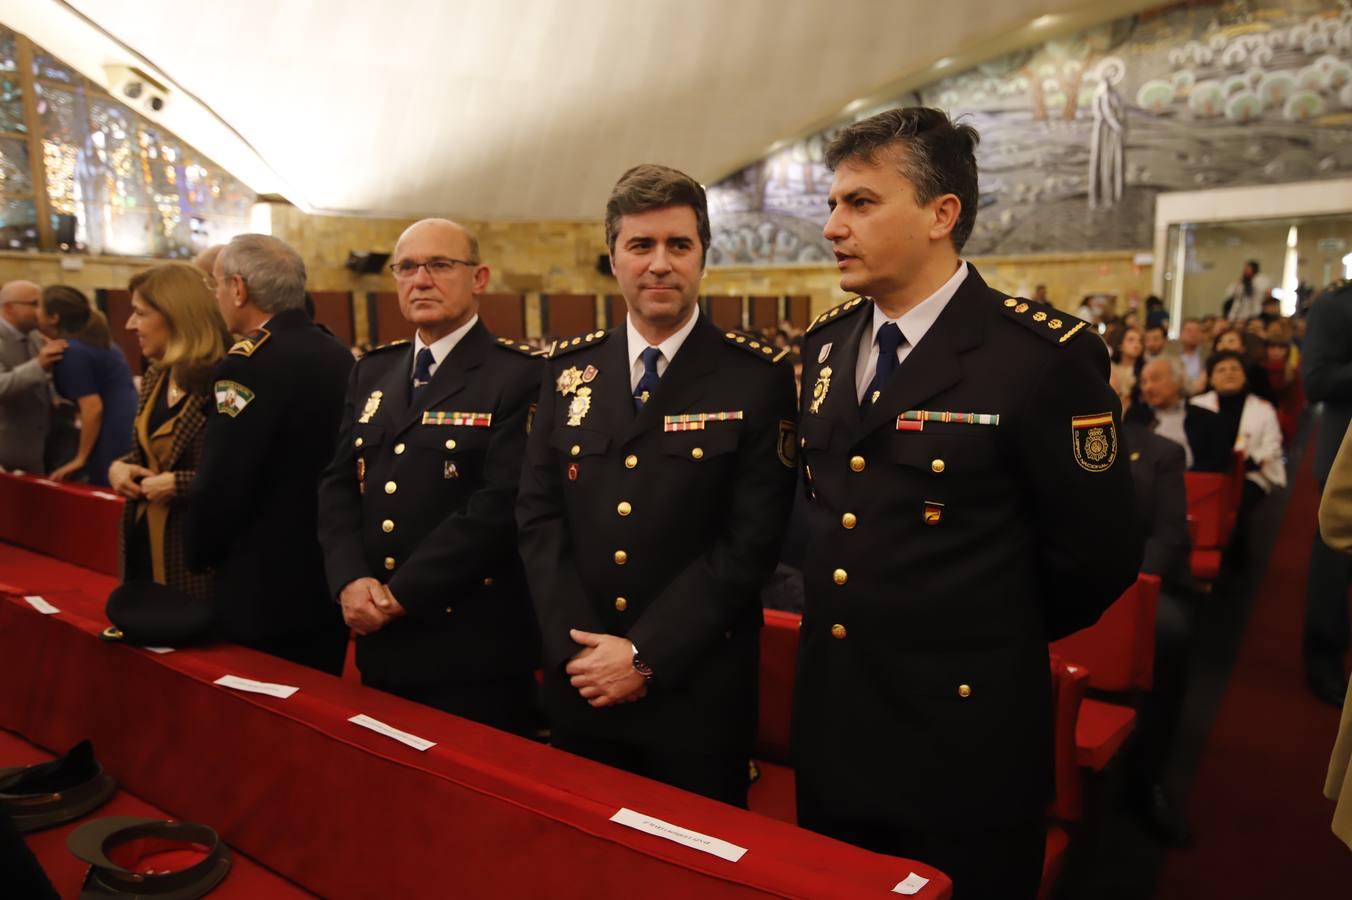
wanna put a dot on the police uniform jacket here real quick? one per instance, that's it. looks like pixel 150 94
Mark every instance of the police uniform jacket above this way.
pixel 1326 368
pixel 422 497
pixel 979 509
pixel 1157 467
pixel 278 399
pixel 659 528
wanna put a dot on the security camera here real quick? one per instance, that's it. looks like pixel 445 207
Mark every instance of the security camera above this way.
pixel 137 87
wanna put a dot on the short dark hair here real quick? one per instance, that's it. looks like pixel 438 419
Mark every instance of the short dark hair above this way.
pixel 1221 356
pixel 1253 263
pixel 647 187
pixel 1157 327
pixel 939 156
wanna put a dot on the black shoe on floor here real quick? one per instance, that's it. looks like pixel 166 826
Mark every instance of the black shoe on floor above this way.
pixel 1327 680
pixel 1164 819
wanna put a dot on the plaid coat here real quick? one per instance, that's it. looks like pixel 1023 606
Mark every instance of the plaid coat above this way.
pixel 189 432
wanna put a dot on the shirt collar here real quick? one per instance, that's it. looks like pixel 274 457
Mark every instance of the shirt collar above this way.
pixel 918 320
pixel 637 343
pixel 442 347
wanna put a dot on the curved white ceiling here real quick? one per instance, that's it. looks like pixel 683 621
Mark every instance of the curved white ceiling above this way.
pixel 512 109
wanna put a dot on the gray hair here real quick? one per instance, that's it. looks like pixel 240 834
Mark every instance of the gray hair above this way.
pixel 1176 370
pixel 272 271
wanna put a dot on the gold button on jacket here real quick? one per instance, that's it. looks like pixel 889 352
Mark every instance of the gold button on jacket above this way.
pixel 964 691
pixel 857 464
pixel 838 632
pixel 840 576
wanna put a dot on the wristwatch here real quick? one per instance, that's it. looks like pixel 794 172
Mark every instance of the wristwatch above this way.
pixel 640 666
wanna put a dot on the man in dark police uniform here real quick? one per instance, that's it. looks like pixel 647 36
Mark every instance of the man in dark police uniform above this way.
pixel 416 510
pixel 969 504
pixel 658 481
pixel 279 393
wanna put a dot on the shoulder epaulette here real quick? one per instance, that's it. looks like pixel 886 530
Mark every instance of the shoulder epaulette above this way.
pixel 519 347
pixel 1042 319
pixel 568 345
pixel 402 342
pixel 249 344
pixel 849 306
pixel 755 346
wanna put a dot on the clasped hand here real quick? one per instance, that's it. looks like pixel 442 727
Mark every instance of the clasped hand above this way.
pixel 603 671
pixel 368 606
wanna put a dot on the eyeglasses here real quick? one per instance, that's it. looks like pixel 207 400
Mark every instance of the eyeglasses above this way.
pixel 437 268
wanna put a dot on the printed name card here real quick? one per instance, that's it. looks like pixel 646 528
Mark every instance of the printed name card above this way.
pixel 281 691
pixel 910 885
pixel 640 822
pixel 41 605
pixel 390 731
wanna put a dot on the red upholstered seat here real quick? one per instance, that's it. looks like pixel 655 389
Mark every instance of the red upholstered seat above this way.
pixel 779 657
pixel 73 522
pixel 1053 861
pixel 1213 505
pixel 1119 649
pixel 773 794
pixel 1101 731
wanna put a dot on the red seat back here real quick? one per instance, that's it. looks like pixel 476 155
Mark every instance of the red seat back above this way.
pixel 1209 496
pixel 1069 682
pixel 72 522
pixel 779 657
pixel 1119 649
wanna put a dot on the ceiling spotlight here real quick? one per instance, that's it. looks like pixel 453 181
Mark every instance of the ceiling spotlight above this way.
pixel 1044 21
pixel 855 105
pixel 944 63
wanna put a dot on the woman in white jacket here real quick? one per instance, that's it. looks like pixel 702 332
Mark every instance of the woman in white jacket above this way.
pixel 1252 421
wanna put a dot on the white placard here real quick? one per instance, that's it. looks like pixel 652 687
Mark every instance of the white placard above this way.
pixel 256 687
pixel 390 731
pixel 719 848
pixel 41 605
pixel 911 884
pixel 104 495
pixel 159 649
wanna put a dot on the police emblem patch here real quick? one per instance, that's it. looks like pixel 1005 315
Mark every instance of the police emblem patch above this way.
pixel 232 397
pixel 788 443
pixel 569 380
pixel 1094 439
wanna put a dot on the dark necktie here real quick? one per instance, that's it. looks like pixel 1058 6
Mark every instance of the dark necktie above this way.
pixel 648 383
pixel 422 376
pixel 889 338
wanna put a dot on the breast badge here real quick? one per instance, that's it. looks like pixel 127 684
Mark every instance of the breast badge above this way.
pixel 1094 439
pixel 372 404
pixel 569 380
pixel 579 406
pixel 788 443
pixel 819 390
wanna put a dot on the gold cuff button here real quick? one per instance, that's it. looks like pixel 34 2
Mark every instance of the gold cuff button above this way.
pixel 574 450
pixel 389 563
pixel 621 557
pixel 450 445
pixel 838 632
pixel 964 691
pixel 857 463
pixel 840 576
pixel 937 466
pixel 358 442
pixel 387 526
pixel 391 487
pixel 697 453
pixel 849 520
pixel 398 449
pixel 624 508
pixel 630 461
pixel 621 604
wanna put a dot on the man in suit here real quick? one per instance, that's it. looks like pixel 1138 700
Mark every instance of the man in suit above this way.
pixel 26 361
pixel 417 507
pixel 657 485
pixel 1165 411
pixel 1326 367
pixel 962 451
pixel 279 397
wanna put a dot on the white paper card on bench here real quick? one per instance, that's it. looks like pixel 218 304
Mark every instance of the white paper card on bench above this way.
pixel 390 731
pixel 41 605
pixel 911 885
pixel 159 649
pixel 256 687
pixel 721 849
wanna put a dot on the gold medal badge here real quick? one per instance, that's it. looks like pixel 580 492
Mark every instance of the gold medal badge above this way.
pixel 1094 439
pixel 569 380
pixel 372 404
pixel 819 390
pixel 579 406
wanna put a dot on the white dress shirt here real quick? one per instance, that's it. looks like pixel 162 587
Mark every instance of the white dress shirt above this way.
pixel 637 344
pixel 442 347
pixel 913 324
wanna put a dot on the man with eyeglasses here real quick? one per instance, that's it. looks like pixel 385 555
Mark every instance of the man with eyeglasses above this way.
pixel 416 507
pixel 26 361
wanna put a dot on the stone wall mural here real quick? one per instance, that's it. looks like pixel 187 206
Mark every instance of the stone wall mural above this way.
pixel 1079 135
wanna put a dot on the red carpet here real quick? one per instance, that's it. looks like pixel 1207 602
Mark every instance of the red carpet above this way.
pixel 1257 806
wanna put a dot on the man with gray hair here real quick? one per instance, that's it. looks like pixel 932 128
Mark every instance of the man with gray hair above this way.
pixel 278 401
pixel 26 362
pixel 1165 411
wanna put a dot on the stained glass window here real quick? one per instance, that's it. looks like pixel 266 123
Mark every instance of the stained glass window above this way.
pixel 118 209
pixel 65 135
pixel 18 214
pixel 47 66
